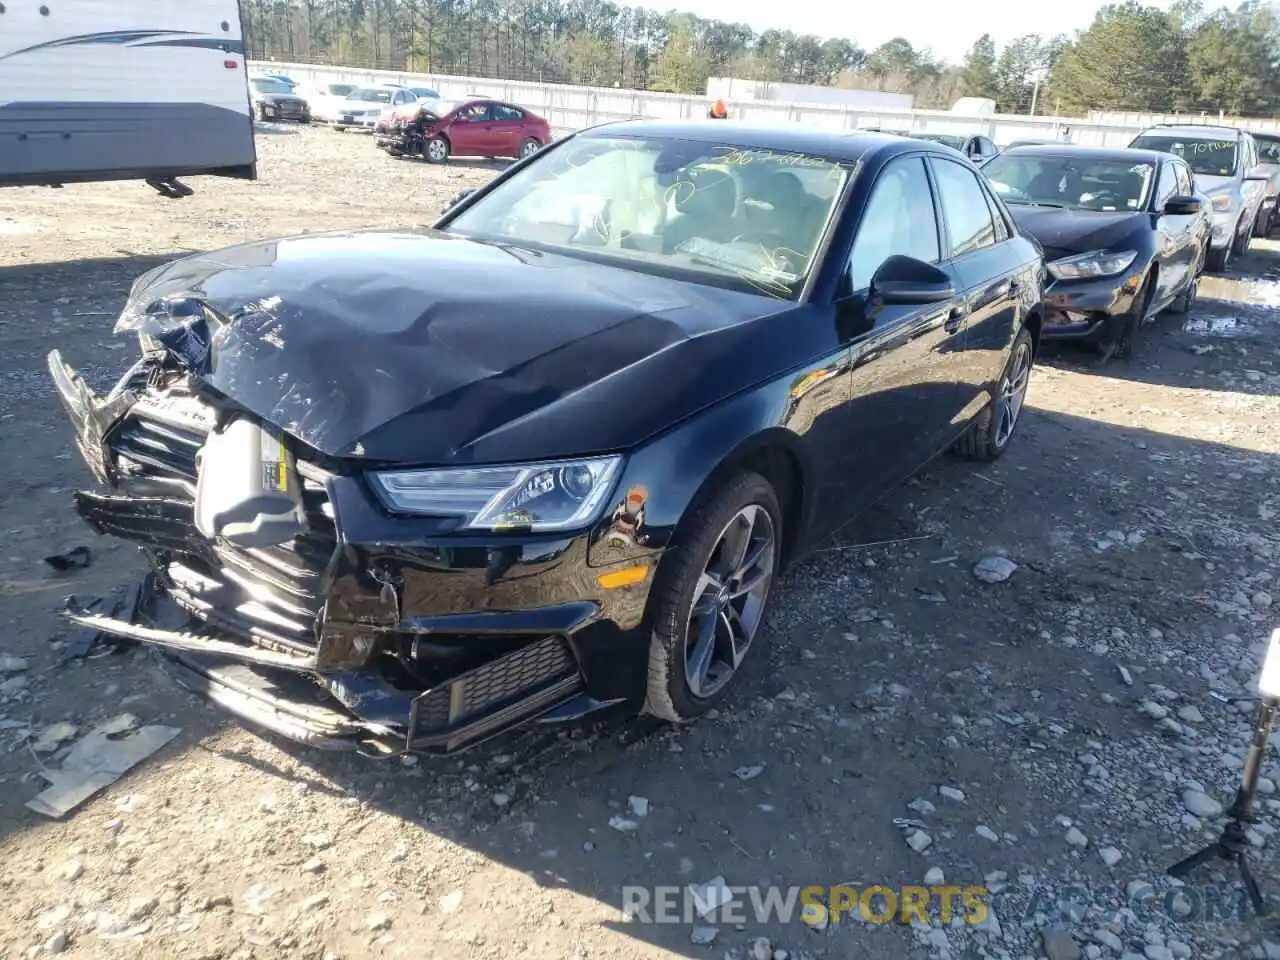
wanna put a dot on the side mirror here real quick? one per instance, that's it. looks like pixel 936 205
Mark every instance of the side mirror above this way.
pixel 1182 206
pixel 908 281
pixel 457 199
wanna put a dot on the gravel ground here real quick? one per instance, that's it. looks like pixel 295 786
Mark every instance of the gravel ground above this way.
pixel 1065 709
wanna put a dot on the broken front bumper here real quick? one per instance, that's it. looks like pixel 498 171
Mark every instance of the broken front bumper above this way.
pixel 365 632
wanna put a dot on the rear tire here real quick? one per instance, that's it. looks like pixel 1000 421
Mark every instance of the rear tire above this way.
pixel 529 148
pixel 732 538
pixel 990 434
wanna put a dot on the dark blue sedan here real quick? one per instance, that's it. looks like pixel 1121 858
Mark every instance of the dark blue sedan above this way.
pixel 549 456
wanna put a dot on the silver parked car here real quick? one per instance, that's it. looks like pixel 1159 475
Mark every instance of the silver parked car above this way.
pixel 1269 160
pixel 1224 161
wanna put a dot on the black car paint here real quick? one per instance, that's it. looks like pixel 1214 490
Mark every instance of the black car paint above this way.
pixel 835 398
pixel 1170 247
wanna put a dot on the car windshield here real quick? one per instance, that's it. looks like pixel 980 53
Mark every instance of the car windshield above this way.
pixel 946 139
pixel 340 89
pixel 1213 158
pixel 370 95
pixel 720 214
pixel 424 94
pixel 270 85
pixel 1268 148
pixel 1078 183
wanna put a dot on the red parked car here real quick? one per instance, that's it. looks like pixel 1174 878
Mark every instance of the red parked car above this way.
pixel 439 130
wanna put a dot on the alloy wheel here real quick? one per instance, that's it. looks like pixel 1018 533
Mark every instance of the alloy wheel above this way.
pixel 528 150
pixel 1013 393
pixel 729 600
pixel 436 150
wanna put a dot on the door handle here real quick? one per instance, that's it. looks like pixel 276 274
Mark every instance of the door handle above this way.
pixel 955 317
pixel 1014 287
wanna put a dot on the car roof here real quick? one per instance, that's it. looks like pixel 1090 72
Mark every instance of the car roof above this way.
pixel 1268 135
pixel 837 145
pixel 1123 154
pixel 1194 130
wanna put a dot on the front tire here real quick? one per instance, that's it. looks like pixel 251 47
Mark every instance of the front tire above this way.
pixel 990 434
pixel 1218 259
pixel 1240 244
pixel 710 597
pixel 1187 299
pixel 436 150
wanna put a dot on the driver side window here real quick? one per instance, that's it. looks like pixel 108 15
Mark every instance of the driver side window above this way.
pixel 1166 186
pixel 898 219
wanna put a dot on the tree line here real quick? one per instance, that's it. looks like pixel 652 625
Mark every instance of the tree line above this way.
pixel 1132 57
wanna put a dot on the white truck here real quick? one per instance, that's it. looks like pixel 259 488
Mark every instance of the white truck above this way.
pixel 130 89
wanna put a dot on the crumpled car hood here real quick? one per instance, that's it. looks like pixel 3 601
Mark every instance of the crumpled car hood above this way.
pixel 422 347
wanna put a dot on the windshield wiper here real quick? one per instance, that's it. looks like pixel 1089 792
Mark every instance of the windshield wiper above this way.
pixel 1038 203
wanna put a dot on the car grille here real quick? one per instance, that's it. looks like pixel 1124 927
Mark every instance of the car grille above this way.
pixel 494 685
pixel 270 596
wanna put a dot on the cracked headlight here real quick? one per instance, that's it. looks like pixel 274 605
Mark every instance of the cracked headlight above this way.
pixel 1092 265
pixel 1222 202
pixel 556 495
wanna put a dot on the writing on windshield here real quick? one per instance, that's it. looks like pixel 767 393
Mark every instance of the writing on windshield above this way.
pixel 1213 158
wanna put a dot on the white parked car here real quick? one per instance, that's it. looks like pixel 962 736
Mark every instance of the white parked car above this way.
pixel 361 108
pixel 325 98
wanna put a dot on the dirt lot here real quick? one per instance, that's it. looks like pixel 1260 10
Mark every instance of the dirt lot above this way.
pixel 1069 704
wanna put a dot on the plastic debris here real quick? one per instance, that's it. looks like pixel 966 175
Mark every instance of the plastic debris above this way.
pixel 77 558
pixel 96 761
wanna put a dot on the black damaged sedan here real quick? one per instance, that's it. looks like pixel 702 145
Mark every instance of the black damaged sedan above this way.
pixel 403 490
pixel 1124 235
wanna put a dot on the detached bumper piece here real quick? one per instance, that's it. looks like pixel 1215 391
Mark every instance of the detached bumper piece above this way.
pixel 245 626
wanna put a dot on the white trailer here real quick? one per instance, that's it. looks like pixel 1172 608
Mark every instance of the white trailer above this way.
pixel 95 90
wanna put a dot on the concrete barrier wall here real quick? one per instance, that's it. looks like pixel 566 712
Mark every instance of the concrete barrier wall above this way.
pixel 572 107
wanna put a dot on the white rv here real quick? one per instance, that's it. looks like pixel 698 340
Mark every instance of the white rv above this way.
pixel 122 90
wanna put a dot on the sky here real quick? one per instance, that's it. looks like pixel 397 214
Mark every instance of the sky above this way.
pixel 947 27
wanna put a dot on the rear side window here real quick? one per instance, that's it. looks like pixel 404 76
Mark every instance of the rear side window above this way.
pixel 965 207
pixel 1166 186
pixel 502 112
pixel 1002 228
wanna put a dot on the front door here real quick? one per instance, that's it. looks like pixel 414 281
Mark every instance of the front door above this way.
pixel 900 375
pixel 470 133
pixel 1173 240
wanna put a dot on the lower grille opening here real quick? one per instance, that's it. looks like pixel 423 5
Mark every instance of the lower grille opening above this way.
pixel 269 597
pixel 540 666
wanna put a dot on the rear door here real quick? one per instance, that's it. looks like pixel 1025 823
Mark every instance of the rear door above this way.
pixel 508 129
pixel 987 269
